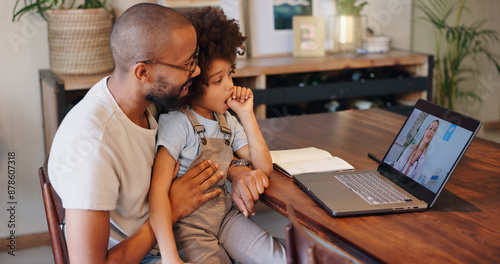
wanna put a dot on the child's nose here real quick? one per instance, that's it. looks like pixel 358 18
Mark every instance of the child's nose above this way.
pixel 229 84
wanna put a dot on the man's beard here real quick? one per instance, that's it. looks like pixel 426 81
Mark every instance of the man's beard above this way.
pixel 161 93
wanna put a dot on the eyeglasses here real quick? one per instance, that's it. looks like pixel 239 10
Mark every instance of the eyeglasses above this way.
pixel 192 66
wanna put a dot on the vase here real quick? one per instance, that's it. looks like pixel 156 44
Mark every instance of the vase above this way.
pixel 348 35
pixel 79 41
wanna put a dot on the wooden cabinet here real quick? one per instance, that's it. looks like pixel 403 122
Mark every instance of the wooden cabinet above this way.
pixel 60 92
pixel 255 73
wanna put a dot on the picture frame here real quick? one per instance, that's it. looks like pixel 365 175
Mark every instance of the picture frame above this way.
pixel 308 36
pixel 264 39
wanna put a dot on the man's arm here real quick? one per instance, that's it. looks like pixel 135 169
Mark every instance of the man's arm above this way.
pixel 88 236
pixel 88 231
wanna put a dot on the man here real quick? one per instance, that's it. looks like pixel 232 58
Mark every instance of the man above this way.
pixel 102 155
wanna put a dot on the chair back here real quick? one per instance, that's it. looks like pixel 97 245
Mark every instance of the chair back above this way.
pixel 55 217
pixel 301 248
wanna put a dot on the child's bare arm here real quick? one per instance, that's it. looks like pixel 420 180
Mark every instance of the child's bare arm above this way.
pixel 248 185
pixel 164 171
pixel 257 152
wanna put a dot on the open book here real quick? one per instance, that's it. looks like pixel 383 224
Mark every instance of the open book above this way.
pixel 306 160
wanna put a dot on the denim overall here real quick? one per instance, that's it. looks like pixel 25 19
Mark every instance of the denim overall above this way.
pixel 216 232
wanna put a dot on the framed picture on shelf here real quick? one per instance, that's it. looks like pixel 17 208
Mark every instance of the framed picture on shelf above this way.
pixel 308 36
pixel 270 29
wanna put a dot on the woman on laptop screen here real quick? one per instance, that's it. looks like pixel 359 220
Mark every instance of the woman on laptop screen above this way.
pixel 412 161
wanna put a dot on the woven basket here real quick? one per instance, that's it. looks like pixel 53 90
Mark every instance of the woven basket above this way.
pixel 79 41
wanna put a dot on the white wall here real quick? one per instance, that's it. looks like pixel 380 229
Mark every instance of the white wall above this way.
pixel 24 50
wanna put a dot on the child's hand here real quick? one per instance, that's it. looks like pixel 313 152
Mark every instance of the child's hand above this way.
pixel 247 186
pixel 241 101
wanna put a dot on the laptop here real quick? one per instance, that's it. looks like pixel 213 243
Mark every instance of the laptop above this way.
pixel 412 173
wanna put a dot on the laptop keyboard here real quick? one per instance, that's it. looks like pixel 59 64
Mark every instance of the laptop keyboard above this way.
pixel 372 189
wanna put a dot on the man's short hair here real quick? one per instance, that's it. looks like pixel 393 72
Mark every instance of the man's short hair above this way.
pixel 142 32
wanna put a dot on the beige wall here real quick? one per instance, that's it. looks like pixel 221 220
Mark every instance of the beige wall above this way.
pixel 489 85
pixel 490 110
pixel 24 50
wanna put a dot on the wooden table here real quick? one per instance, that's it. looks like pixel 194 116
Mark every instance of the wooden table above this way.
pixel 462 227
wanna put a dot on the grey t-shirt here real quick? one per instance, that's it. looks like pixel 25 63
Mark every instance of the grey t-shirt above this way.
pixel 176 133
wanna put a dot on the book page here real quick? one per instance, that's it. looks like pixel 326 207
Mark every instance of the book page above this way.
pixel 312 153
pixel 317 165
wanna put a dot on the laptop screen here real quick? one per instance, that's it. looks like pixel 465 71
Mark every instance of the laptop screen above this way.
pixel 428 148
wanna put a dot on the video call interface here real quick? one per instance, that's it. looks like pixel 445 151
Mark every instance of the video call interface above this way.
pixel 427 148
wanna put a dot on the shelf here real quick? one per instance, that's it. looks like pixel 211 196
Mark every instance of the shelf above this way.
pixel 60 92
pixel 292 94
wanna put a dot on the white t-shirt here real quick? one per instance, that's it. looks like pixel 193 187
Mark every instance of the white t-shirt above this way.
pixel 101 160
pixel 176 133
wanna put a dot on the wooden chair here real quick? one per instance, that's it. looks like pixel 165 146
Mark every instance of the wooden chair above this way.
pixel 55 217
pixel 301 248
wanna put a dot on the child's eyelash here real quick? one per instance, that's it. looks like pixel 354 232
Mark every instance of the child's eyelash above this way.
pixel 220 79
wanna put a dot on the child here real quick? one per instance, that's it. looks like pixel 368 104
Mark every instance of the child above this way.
pixel 215 232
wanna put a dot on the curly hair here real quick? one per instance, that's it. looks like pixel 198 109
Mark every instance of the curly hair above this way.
pixel 218 38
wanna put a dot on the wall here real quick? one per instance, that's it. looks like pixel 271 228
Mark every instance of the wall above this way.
pixel 488 86
pixel 24 50
pixel 490 110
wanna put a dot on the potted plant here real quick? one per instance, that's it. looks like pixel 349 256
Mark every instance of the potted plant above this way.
pixel 456 45
pixel 78 35
pixel 349 7
pixel 348 25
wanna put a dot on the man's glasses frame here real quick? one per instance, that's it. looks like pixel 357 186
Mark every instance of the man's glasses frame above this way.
pixel 192 66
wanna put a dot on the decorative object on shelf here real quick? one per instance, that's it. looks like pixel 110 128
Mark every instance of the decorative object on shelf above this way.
pixel 79 41
pixel 270 24
pixel 349 7
pixel 309 36
pixel 392 19
pixel 78 36
pixel 378 44
pixel 349 25
pixel 456 44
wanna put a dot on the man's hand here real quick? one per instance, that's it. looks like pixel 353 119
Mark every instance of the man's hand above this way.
pixel 247 185
pixel 187 193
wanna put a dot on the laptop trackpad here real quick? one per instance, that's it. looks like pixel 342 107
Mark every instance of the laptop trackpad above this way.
pixel 338 198
pixel 332 190
pixel 326 187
